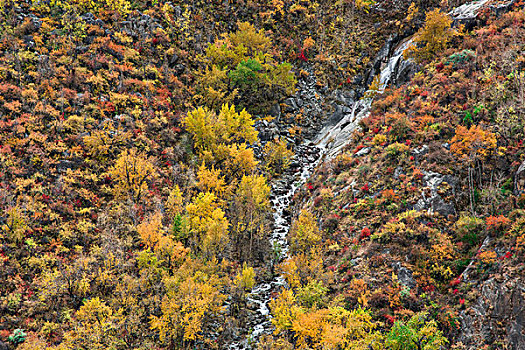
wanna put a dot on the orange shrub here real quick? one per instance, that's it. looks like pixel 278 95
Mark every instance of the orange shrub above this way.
pixel 497 223
pixel 474 143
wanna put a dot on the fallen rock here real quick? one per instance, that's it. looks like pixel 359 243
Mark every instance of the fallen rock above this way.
pixel 404 275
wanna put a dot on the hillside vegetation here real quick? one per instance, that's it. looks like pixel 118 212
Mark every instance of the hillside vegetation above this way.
pixel 421 217
pixel 136 176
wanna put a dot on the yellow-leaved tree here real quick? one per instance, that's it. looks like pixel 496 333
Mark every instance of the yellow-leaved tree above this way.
pixel 132 174
pixel 190 299
pixel 15 225
pixel 228 126
pixel 167 250
pixel 122 7
pixel 208 226
pixel 433 37
pixel 324 328
pixel 211 180
pixel 174 202
pixel 243 282
pixel 277 157
pixel 249 209
pixel 222 139
pixel 304 233
pixel 335 328
pixel 95 326
pixel 284 311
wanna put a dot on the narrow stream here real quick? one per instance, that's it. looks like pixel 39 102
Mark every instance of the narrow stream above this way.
pixel 307 157
pixel 329 142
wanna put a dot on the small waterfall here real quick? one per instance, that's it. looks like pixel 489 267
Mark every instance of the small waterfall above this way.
pixel 467 11
pixel 332 139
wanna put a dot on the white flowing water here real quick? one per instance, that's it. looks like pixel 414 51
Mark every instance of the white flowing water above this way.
pixel 468 10
pixel 333 138
pixel 329 142
pixel 282 194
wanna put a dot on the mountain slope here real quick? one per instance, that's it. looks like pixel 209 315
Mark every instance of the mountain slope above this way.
pixel 144 145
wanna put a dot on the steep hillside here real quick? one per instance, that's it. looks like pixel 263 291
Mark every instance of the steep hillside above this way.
pixel 160 186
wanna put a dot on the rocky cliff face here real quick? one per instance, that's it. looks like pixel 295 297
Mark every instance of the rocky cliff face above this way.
pixel 497 316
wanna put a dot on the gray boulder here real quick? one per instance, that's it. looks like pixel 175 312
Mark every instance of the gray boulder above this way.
pixel 404 275
pixel 434 202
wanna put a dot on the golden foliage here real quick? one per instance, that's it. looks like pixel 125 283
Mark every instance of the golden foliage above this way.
pixel 95 326
pixel 132 173
pixel 245 280
pixel 210 180
pixel 364 5
pixel 15 225
pixel 174 202
pixel 290 272
pixel 304 232
pixel 213 88
pixel 204 126
pixel 433 37
pixel 208 224
pixel 303 267
pixel 236 160
pixel 277 156
pixel 248 37
pixel 251 204
pixel 330 328
pixel 187 302
pixel 284 310
pixel 222 138
pixel 487 257
pixel 122 7
pixel 150 230
pixel 379 139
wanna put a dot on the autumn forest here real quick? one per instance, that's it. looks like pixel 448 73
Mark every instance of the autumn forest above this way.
pixel 273 174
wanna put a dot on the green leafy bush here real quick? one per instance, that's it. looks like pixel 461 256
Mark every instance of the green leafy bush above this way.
pixel 417 333
pixel 18 337
pixel 242 68
pixel 461 57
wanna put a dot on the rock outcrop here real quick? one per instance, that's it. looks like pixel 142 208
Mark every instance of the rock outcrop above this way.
pixel 497 318
pixel 432 199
